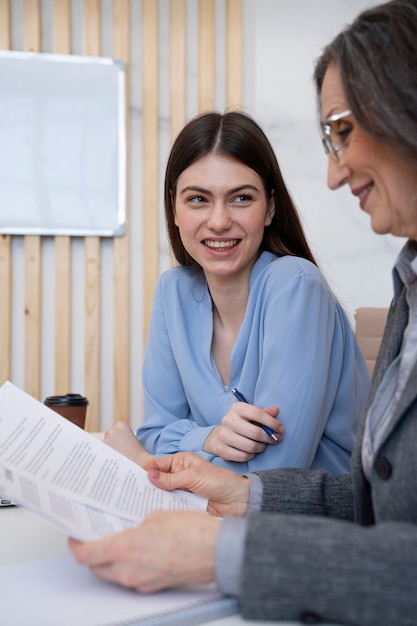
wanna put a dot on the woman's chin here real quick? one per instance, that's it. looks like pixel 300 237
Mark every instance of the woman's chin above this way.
pixel 381 228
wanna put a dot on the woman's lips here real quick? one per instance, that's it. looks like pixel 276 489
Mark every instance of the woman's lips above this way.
pixel 362 193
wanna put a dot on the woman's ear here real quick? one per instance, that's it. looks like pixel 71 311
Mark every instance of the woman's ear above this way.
pixel 270 212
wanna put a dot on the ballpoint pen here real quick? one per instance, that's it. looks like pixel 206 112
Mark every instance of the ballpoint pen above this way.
pixel 241 398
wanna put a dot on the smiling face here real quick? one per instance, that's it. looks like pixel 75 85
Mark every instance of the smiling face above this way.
pixel 221 211
pixel 381 178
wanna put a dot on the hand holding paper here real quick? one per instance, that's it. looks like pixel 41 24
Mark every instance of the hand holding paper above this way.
pixel 156 555
pixel 227 492
pixel 70 478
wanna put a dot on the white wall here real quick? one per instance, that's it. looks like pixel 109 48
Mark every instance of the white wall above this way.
pixel 282 40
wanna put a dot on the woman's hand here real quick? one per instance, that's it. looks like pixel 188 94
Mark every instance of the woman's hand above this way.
pixel 168 549
pixel 121 438
pixel 227 492
pixel 240 437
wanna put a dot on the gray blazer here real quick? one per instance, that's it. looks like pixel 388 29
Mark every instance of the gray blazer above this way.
pixel 348 552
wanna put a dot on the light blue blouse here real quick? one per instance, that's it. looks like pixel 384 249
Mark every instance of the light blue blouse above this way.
pixel 295 350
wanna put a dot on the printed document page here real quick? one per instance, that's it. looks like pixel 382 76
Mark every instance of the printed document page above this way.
pixel 70 478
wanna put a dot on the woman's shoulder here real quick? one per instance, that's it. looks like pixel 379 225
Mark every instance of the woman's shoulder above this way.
pixel 298 279
pixel 285 276
pixel 182 280
pixel 176 273
pixel 288 267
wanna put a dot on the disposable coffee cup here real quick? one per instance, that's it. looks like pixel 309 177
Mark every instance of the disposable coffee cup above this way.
pixel 72 406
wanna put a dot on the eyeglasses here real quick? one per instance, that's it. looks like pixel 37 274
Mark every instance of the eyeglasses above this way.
pixel 329 144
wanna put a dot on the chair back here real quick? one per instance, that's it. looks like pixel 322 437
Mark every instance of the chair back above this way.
pixel 369 328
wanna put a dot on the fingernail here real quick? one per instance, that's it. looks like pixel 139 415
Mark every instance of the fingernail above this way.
pixel 154 473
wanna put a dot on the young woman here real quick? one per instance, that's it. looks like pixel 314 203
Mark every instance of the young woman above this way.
pixel 246 309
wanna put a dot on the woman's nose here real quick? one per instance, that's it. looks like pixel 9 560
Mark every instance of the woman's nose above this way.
pixel 338 173
pixel 219 217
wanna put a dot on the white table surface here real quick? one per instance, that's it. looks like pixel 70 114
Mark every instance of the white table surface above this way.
pixel 26 537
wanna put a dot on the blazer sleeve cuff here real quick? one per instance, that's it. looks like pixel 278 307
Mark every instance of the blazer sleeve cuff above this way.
pixel 229 555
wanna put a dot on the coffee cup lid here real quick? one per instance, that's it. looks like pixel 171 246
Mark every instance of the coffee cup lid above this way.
pixel 70 399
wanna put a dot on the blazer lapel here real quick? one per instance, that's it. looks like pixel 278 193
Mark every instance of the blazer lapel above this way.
pixel 391 341
pixel 390 346
pixel 409 394
pixel 396 328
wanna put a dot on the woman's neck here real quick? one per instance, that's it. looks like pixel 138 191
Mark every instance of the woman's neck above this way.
pixel 229 308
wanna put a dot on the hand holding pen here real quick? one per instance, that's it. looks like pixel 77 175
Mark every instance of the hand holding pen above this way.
pixel 238 436
pixel 241 398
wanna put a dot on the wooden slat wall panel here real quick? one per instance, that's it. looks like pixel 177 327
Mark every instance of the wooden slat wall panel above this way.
pixel 32 42
pixel 150 155
pixel 206 55
pixel 5 240
pixel 234 54
pixel 92 331
pixel 5 24
pixel 178 50
pixel 5 307
pixel 62 45
pixel 92 261
pixel 178 70
pixel 121 50
pixel 68 257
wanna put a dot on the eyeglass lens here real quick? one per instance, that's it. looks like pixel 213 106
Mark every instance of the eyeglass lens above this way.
pixel 330 143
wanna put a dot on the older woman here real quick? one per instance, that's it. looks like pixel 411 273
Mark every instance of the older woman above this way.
pixel 329 548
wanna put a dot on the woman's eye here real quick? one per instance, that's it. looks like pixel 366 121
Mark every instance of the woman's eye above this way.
pixel 242 197
pixel 196 199
pixel 343 132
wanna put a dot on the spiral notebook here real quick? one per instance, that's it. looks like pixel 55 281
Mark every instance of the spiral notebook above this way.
pixel 6 501
pixel 59 591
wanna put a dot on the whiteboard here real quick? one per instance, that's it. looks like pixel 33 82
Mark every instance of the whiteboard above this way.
pixel 62 145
